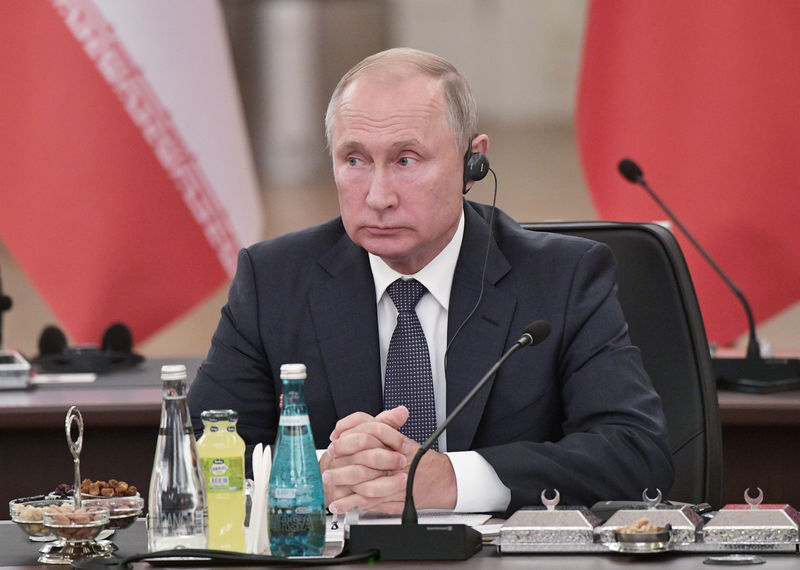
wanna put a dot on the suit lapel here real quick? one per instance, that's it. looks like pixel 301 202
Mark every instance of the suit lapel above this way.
pixel 483 338
pixel 345 320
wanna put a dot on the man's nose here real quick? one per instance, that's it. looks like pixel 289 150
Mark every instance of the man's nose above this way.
pixel 381 193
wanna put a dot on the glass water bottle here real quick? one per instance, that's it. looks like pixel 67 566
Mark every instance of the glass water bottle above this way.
pixel 296 503
pixel 177 512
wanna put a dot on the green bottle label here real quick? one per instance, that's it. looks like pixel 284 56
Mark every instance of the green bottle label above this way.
pixel 223 474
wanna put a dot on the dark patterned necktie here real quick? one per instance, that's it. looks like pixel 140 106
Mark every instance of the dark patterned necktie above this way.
pixel 409 380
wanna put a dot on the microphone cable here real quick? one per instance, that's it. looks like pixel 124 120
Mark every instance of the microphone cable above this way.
pixel 199 557
pixel 483 272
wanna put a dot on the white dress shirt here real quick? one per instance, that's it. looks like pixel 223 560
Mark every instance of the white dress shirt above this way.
pixel 479 487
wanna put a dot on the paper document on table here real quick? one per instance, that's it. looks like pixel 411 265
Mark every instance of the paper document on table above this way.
pixel 428 517
pixel 76 378
pixel 489 530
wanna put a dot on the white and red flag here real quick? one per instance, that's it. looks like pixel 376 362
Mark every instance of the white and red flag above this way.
pixel 126 178
pixel 705 97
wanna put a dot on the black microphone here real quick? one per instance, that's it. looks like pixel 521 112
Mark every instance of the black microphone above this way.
pixel 412 541
pixel 52 341
pixel 115 353
pixel 117 338
pixel 753 373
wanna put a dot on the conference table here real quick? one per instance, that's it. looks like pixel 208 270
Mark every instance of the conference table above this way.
pixel 121 413
pixel 17 552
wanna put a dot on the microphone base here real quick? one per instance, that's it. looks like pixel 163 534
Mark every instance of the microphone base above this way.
pixel 757 375
pixel 417 541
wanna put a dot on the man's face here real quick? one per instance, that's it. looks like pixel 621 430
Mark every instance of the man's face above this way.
pixel 398 172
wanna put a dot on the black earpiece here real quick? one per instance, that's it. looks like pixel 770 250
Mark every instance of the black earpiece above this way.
pixel 115 353
pixel 476 166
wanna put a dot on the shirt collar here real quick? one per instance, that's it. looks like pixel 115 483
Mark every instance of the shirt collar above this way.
pixel 437 276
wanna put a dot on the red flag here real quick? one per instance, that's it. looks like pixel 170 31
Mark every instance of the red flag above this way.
pixel 705 97
pixel 107 203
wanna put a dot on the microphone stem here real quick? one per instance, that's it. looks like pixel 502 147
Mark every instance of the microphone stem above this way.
pixel 409 510
pixel 752 344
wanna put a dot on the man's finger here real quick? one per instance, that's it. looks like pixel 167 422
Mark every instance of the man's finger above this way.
pixel 391 485
pixel 396 417
pixel 379 459
pixel 352 443
pixel 351 475
pixel 349 422
pixel 373 435
pixel 348 502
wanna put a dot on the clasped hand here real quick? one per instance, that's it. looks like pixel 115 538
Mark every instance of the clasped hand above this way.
pixel 366 466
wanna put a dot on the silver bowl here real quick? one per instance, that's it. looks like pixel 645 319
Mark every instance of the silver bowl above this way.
pixel 76 525
pixel 27 513
pixel 122 511
pixel 643 542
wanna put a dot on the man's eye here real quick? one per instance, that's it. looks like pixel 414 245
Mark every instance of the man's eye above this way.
pixel 406 161
pixel 353 161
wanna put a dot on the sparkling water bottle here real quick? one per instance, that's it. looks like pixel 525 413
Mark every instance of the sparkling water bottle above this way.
pixel 296 503
pixel 177 513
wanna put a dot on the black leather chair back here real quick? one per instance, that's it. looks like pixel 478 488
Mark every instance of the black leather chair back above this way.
pixel 660 305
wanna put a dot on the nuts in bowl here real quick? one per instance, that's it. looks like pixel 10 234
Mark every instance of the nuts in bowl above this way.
pixel 99 488
pixel 110 488
pixel 643 536
pixel 641 526
pixel 28 513
pixel 74 525
pixel 122 511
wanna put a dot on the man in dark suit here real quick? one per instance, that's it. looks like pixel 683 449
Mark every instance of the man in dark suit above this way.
pixel 576 413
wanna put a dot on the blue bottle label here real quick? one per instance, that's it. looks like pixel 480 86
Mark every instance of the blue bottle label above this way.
pixel 284 493
pixel 298 420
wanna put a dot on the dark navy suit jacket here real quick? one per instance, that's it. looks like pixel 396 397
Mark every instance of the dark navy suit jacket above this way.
pixel 575 413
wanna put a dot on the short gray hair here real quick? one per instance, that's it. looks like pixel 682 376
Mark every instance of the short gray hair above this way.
pixel 461 107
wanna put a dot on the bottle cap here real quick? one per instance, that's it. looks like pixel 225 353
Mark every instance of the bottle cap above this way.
pixel 173 372
pixel 219 415
pixel 293 371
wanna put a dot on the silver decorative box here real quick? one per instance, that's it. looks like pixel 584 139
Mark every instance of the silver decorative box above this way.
pixel 754 526
pixel 549 529
pixel 683 520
